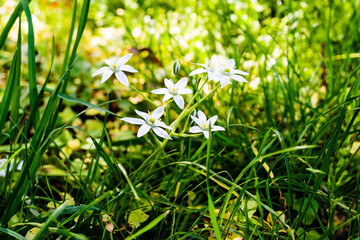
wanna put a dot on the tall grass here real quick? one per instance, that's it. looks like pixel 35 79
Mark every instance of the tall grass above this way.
pixel 286 168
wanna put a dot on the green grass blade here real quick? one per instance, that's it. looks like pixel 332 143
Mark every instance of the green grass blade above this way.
pixel 80 30
pixel 210 201
pixel 51 218
pixel 12 233
pixel 9 91
pixel 9 24
pixel 68 45
pixel 31 65
pixel 15 103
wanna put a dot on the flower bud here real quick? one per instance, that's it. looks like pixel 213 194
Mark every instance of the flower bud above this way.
pixel 176 67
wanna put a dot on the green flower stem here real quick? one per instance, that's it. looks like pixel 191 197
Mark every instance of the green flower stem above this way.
pixel 158 142
pixel 167 115
pixel 145 97
pixel 186 135
pixel 186 126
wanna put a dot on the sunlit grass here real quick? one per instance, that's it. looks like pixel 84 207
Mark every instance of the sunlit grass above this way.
pixel 286 166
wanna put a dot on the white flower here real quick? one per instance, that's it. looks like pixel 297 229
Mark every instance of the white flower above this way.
pixel 117 68
pixel 151 121
pixel 174 91
pixel 204 125
pixel 211 69
pixel 229 72
pixel 3 168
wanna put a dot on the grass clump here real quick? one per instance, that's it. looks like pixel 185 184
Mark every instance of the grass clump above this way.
pixel 218 155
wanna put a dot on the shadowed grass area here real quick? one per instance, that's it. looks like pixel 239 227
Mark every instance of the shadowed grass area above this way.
pixel 286 165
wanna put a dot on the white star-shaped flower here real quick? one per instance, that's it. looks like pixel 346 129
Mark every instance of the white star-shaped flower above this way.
pixel 210 69
pixel 117 68
pixel 174 91
pixel 150 121
pixel 229 72
pixel 204 124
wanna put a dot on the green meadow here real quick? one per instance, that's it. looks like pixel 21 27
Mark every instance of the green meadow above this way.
pixel 167 120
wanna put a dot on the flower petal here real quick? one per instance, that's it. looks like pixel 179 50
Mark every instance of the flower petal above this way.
pixel 239 78
pixel 106 75
pixel 123 59
pixel 230 64
pixel 100 71
pixel 158 112
pixel 213 119
pixel 122 78
pixel 217 128
pixel 184 91
pixel 197 71
pixel 137 121
pixel 167 96
pixel 163 125
pixel 128 68
pixel 197 120
pixel 194 113
pixel 144 115
pixel 161 133
pixel 169 84
pixel 160 91
pixel 224 81
pixel 240 72
pixel 109 62
pixel 181 84
pixel 206 133
pixel 195 129
pixel 144 129
pixel 202 117
pixel 211 75
pixel 179 100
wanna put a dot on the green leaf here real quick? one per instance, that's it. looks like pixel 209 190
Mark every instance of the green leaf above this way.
pixel 311 211
pixel 248 211
pixel 137 217
pixel 151 225
pixel 31 64
pixel 311 235
pixel 9 89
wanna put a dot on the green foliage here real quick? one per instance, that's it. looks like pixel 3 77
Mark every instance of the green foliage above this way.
pixel 287 166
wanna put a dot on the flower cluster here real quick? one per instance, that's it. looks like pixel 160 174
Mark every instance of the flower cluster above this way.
pixel 152 121
pixel 224 73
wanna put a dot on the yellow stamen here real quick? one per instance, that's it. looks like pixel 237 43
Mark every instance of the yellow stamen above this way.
pixel 152 120
pixel 114 65
pixel 173 89
pixel 205 125
pixel 227 70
